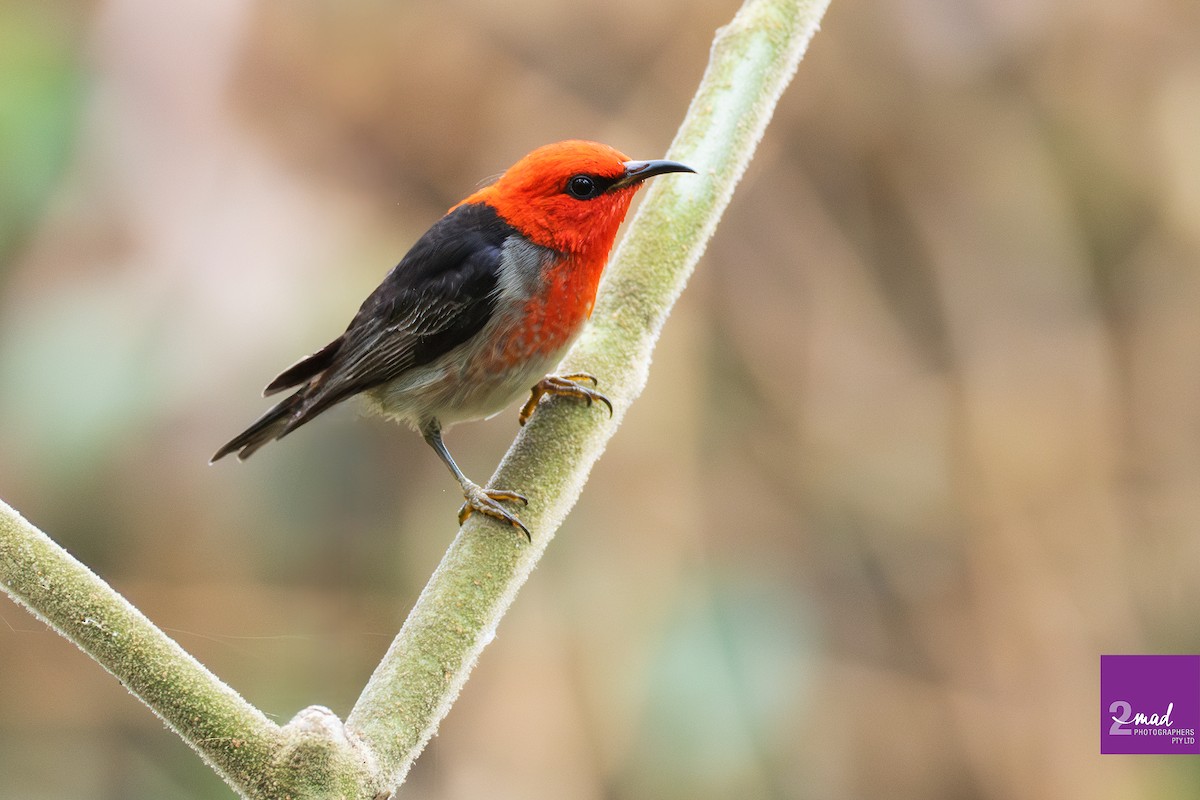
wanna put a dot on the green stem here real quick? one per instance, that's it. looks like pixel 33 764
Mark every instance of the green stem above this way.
pixel 229 733
pixel 310 757
pixel 753 60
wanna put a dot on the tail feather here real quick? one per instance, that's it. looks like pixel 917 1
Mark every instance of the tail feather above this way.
pixel 305 369
pixel 276 423
pixel 294 410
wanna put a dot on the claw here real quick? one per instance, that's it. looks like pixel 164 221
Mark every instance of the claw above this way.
pixel 487 502
pixel 563 386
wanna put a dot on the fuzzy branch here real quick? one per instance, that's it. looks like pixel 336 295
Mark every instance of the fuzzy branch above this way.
pixel 753 59
pixel 249 751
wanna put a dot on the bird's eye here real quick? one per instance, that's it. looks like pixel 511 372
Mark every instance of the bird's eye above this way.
pixel 582 187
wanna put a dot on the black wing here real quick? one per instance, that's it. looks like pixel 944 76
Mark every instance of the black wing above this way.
pixel 440 294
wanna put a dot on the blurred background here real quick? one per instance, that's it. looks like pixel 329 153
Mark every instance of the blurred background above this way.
pixel 921 441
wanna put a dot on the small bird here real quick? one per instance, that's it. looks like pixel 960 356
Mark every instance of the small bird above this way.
pixel 480 309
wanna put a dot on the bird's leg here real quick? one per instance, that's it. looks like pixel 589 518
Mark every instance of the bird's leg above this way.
pixel 485 501
pixel 571 385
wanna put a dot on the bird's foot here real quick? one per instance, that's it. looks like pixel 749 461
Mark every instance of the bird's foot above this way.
pixel 572 385
pixel 487 502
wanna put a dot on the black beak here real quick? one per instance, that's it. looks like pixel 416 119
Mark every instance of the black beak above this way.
pixel 638 171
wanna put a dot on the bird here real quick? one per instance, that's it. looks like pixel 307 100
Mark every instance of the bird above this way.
pixel 478 312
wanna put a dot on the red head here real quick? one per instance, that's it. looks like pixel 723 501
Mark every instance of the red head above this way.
pixel 571 196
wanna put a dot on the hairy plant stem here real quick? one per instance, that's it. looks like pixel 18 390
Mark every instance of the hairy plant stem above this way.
pixel 250 752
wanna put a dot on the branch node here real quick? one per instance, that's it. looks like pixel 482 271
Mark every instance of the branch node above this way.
pixel 318 757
